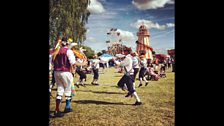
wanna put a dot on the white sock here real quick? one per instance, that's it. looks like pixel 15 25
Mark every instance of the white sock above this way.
pixel 82 82
pixel 145 79
pixel 125 87
pixel 134 86
pixel 140 80
pixel 136 97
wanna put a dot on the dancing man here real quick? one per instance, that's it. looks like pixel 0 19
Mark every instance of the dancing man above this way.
pixel 63 62
pixel 82 75
pixel 128 75
pixel 135 65
pixel 143 65
pixel 95 68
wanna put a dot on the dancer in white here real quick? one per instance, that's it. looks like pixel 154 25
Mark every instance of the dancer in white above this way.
pixel 95 68
pixel 143 65
pixel 63 62
pixel 135 65
pixel 128 76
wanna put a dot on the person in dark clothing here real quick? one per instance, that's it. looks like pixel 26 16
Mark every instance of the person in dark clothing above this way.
pixel 128 76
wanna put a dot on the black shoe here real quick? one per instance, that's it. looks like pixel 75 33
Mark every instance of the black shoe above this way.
pixel 67 110
pixel 58 114
pixel 51 96
pixel 51 116
pixel 77 85
pixel 146 83
pixel 129 94
pixel 137 103
pixel 92 83
pixel 139 85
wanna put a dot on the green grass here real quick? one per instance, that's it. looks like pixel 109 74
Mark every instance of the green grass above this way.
pixel 105 105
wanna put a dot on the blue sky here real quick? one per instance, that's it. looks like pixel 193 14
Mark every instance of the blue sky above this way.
pixel 127 16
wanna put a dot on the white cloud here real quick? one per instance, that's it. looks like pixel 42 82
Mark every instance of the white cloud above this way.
pixel 87 30
pixel 95 7
pixel 171 2
pixel 160 50
pixel 91 39
pixel 127 36
pixel 151 4
pixel 169 25
pixel 106 15
pixel 162 34
pixel 150 24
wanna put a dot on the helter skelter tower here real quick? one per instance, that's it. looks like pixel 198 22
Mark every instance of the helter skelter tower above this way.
pixel 143 44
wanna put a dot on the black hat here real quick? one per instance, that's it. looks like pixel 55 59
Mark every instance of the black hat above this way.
pixel 129 50
pixel 64 39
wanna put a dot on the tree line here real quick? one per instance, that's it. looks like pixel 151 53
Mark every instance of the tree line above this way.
pixel 67 18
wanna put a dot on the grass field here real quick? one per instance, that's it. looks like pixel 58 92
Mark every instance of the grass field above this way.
pixel 105 105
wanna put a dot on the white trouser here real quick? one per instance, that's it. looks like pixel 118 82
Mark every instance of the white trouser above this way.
pixel 64 81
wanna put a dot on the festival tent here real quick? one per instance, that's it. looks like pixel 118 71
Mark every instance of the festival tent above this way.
pixel 105 58
pixel 161 57
pixel 120 55
pixel 106 55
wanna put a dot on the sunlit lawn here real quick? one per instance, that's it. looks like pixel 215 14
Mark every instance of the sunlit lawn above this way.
pixel 105 105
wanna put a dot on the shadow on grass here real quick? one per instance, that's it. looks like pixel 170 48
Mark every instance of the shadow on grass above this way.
pixel 91 85
pixel 105 92
pixel 101 92
pixel 99 102
pixel 114 86
pixel 51 114
pixel 118 75
pixel 84 90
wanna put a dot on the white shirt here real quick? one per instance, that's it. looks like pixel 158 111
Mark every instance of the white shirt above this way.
pixel 143 63
pixel 135 62
pixel 79 61
pixel 71 56
pixel 127 63
pixel 95 63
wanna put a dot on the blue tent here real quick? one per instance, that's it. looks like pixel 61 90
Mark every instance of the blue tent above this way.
pixel 106 55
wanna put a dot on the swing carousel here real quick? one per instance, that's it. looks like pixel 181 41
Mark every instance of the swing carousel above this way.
pixel 114 42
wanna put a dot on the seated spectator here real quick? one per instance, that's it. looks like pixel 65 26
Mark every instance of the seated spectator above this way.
pixel 162 72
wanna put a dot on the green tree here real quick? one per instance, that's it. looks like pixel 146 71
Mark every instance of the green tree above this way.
pixel 89 52
pixel 99 53
pixel 68 17
pixel 153 52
